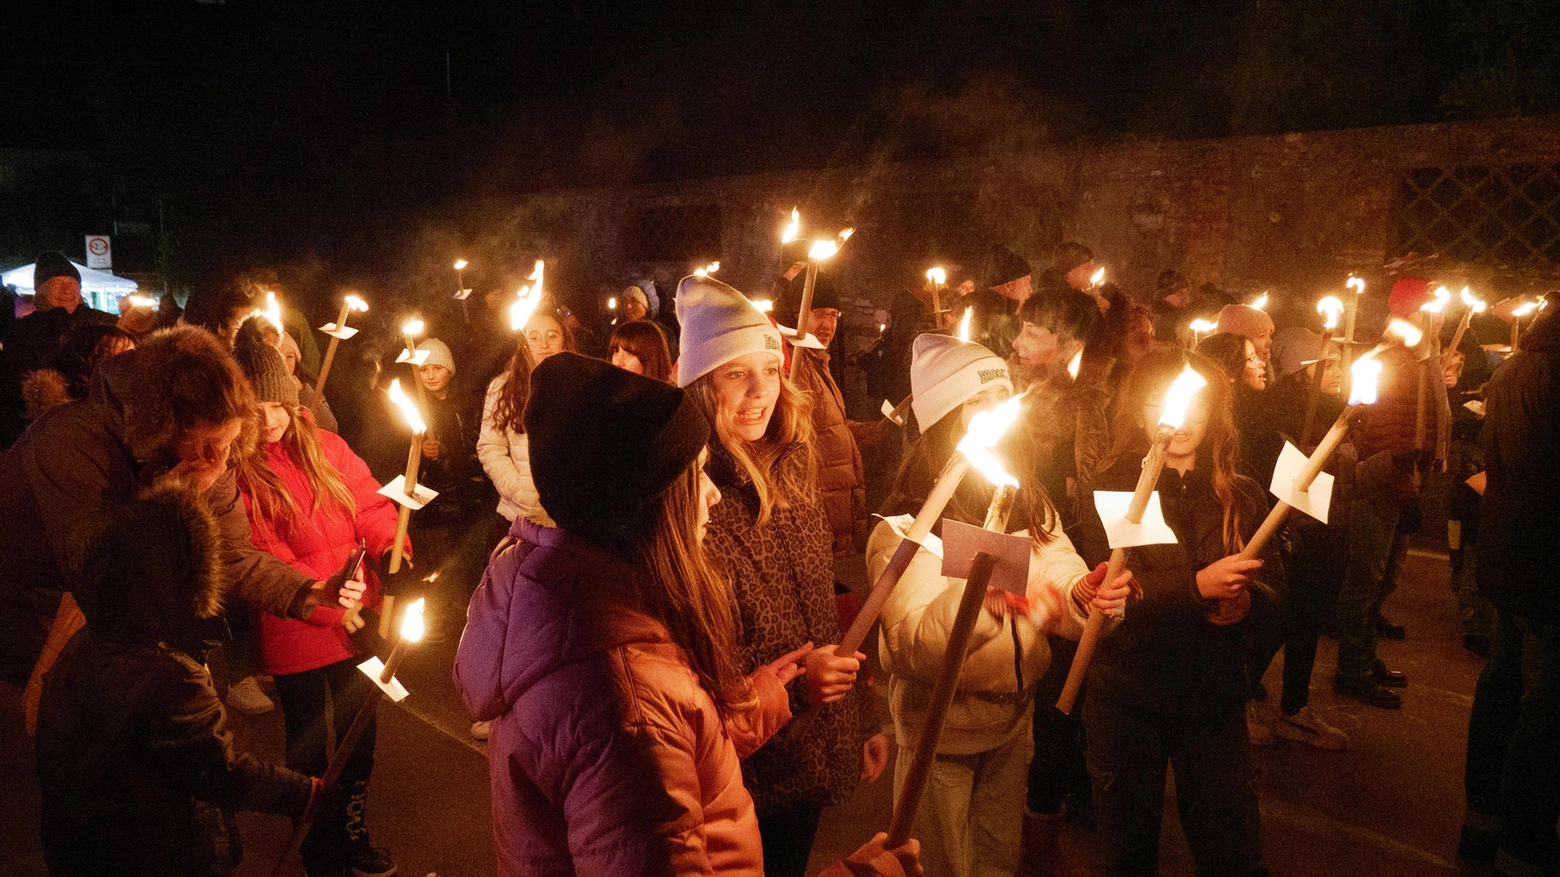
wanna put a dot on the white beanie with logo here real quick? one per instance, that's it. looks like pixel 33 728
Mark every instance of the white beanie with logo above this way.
pixel 719 324
pixel 946 372
pixel 438 354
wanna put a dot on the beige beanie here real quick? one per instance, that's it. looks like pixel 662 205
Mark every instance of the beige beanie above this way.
pixel 438 354
pixel 719 324
pixel 947 372
pixel 1245 320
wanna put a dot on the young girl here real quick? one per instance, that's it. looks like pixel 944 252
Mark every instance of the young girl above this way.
pixel 604 651
pixel 771 538
pixel 310 499
pixel 1167 685
pixel 547 334
pixel 640 347
pixel 971 819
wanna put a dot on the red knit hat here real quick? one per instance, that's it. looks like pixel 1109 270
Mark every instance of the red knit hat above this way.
pixel 1409 294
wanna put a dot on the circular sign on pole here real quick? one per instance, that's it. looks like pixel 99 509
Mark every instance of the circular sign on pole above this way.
pixel 99 252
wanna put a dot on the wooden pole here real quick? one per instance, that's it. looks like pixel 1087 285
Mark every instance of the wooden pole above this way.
pixel 330 351
pixel 803 317
pixel 403 520
pixel 1315 395
pixel 1153 464
pixel 1303 480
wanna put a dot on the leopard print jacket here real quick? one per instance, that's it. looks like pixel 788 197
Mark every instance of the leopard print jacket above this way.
pixel 783 574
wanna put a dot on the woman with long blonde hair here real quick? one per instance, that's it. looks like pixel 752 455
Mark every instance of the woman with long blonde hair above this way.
pixel 1167 686
pixel 771 538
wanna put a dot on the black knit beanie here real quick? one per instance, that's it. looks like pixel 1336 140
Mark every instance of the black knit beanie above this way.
pixel 263 365
pixel 604 441
pixel 53 264
pixel 825 295
pixel 1005 266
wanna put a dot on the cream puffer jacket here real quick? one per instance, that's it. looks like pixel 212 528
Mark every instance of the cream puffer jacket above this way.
pixel 991 704
pixel 506 457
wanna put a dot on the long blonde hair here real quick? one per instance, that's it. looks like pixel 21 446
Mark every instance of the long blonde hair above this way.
pixel 680 587
pixel 270 499
pixel 781 466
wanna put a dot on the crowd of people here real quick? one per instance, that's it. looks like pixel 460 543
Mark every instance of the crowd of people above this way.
pixel 635 538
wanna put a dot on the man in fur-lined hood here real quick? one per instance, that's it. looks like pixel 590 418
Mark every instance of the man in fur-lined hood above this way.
pixel 137 770
pixel 177 404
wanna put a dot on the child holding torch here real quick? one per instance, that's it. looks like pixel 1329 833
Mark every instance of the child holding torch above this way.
pixel 1167 686
pixel 971 820
pixel 310 499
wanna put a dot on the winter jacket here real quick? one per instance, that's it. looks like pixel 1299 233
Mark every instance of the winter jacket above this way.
pixel 318 545
pixel 841 483
pixel 56 480
pixel 506 457
pixel 607 757
pixel 783 575
pixel 992 702
pixel 1166 656
pixel 1520 516
pixel 134 760
pixel 1384 433
pixel 30 343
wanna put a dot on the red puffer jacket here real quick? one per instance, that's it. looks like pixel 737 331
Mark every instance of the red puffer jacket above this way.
pixel 317 546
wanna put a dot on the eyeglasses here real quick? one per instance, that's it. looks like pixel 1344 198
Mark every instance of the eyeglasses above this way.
pixel 826 313
pixel 539 336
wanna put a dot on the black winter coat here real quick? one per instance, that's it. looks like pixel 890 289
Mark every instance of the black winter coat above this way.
pixel 1166 656
pixel 1520 516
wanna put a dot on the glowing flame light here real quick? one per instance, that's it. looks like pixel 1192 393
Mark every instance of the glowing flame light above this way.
pixel 460 264
pixel 1526 309
pixel 408 410
pixel 763 305
pixel 140 301
pixel 1355 284
pixel 1332 308
pixel 520 312
pixel 1074 364
pixel 821 250
pixel 612 303
pixel 707 270
pixel 1366 372
pixel 1203 327
pixel 412 627
pixel 964 325
pixel 412 328
pixel 1472 302
pixel 937 276
pixel 986 429
pixel 1406 331
pixel 792 229
pixel 1186 385
pixel 1097 277
pixel 356 304
pixel 536 275
pixel 1261 302
pixel 273 311
pixel 1442 296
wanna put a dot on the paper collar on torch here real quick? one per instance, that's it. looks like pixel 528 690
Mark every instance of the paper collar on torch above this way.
pixel 350 303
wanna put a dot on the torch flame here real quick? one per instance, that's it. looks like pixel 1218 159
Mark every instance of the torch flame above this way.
pixel 139 301
pixel 986 429
pixel 536 275
pixel 964 325
pixel 1355 284
pixel 763 305
pixel 1074 364
pixel 1472 302
pixel 412 328
pixel 612 303
pixel 821 250
pixel 520 312
pixel 707 270
pixel 1366 372
pixel 792 228
pixel 412 622
pixel 1442 296
pixel 845 235
pixel 1331 307
pixel 408 409
pixel 356 304
pixel 1203 327
pixel 1406 331
pixel 1186 385
pixel 1097 277
pixel 460 264
pixel 273 311
pixel 1261 302
pixel 1526 309
pixel 937 276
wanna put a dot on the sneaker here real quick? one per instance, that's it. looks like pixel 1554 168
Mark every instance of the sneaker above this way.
pixel 1367 691
pixel 481 730
pixel 371 861
pixel 247 698
pixel 1303 726
pixel 1256 725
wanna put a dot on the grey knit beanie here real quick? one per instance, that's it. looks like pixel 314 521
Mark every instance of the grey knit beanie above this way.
pixel 263 365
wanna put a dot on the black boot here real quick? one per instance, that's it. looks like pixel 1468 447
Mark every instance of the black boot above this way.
pixel 363 858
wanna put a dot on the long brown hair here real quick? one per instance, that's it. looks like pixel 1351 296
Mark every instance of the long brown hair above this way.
pixel 1220 444
pixel 782 465
pixel 509 410
pixel 270 499
pixel 644 340
pixel 680 587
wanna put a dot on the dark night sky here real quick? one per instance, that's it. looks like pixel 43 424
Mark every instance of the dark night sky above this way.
pixel 307 126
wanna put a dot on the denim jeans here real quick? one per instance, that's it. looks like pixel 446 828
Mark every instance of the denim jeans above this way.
pixel 1129 750
pixel 1364 584
pixel 1512 773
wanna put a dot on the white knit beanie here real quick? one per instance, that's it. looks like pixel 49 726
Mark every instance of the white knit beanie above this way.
pixel 719 324
pixel 438 354
pixel 947 372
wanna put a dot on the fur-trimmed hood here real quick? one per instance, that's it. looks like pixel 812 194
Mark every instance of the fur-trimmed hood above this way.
pixel 152 571
pixel 136 391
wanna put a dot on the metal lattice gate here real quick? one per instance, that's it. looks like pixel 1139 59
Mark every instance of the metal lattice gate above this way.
pixel 1507 216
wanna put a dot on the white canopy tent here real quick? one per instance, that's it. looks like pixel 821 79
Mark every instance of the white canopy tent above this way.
pixel 101 289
